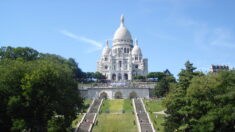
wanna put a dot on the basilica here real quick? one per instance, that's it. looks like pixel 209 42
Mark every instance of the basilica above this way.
pixel 122 61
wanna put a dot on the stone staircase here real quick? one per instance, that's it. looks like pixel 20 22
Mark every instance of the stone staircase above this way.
pixel 89 118
pixel 144 121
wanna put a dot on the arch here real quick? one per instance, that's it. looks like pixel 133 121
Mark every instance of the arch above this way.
pixel 126 76
pixel 119 76
pixel 132 95
pixel 118 95
pixel 114 77
pixel 103 95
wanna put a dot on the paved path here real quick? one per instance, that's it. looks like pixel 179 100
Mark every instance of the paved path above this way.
pixel 160 112
pixel 144 121
pixel 89 119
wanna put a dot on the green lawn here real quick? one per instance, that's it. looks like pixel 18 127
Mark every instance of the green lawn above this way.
pixel 127 106
pixel 112 121
pixel 116 105
pixel 154 105
pixel 77 120
pixel 115 123
pixel 87 103
pixel 157 121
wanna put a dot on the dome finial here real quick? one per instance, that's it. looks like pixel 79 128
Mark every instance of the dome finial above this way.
pixel 107 43
pixel 122 20
pixel 136 42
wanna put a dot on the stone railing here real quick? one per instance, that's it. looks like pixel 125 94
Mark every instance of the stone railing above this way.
pixel 117 85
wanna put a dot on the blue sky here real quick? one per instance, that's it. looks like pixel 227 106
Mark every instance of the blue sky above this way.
pixel 169 32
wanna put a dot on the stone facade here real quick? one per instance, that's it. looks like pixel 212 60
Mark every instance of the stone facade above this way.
pixel 94 93
pixel 123 61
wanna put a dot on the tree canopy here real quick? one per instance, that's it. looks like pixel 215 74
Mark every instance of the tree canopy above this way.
pixel 36 91
pixel 201 103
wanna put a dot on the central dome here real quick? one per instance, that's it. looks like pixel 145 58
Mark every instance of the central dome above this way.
pixel 122 34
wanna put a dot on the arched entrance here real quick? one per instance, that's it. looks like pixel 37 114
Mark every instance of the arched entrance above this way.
pixel 114 77
pixel 103 95
pixel 119 76
pixel 132 95
pixel 126 76
pixel 118 95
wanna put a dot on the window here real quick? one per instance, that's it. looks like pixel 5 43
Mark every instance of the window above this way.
pixel 120 63
pixel 136 66
pixel 136 58
pixel 105 58
pixel 106 67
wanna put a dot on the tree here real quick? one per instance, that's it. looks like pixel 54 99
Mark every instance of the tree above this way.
pixel 33 91
pixel 19 53
pixel 78 72
pixel 158 75
pixel 99 76
pixel 211 100
pixel 163 86
pixel 176 100
pixel 186 75
pixel 140 77
pixel 201 102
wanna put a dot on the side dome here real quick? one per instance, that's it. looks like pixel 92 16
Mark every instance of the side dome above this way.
pixel 106 49
pixel 136 50
pixel 122 34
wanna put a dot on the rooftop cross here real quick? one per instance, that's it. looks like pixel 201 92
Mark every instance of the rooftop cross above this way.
pixel 122 20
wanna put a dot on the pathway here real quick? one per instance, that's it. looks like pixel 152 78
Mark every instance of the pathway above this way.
pixel 145 124
pixel 89 119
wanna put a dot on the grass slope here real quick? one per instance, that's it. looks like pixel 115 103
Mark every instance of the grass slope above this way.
pixel 116 105
pixel 112 119
pixel 154 105
pixel 115 123
pixel 77 120
pixel 157 119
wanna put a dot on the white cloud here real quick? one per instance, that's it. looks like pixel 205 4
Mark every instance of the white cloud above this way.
pixel 206 36
pixel 222 37
pixel 96 45
pixel 219 37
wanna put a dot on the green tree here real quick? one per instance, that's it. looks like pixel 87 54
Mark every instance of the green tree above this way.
pixel 19 53
pixel 176 101
pixel 212 102
pixel 35 91
pixel 162 87
pixel 158 75
pixel 140 77
pixel 201 103
pixel 99 76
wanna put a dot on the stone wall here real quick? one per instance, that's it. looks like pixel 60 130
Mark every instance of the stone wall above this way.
pixel 93 93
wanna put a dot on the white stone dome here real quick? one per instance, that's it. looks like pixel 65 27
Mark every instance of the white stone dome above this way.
pixel 136 50
pixel 122 34
pixel 106 49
